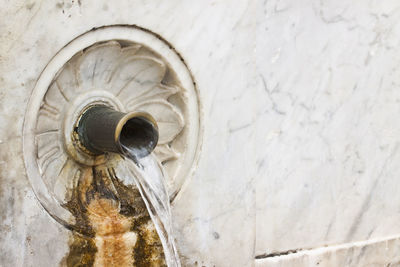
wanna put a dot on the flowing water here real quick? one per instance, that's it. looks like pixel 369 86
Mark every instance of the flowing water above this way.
pixel 150 181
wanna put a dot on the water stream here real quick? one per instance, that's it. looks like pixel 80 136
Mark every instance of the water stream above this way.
pixel 150 181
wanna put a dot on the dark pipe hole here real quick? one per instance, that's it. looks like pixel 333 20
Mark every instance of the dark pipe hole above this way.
pixel 138 137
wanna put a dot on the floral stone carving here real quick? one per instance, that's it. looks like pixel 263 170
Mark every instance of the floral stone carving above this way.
pixel 129 70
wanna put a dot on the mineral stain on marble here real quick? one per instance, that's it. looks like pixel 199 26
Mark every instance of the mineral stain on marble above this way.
pixel 113 227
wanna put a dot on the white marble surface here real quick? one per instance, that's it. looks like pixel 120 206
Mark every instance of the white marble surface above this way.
pixel 300 103
pixel 214 216
pixel 328 105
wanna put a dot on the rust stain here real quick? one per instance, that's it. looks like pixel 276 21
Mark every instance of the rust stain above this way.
pixel 113 227
pixel 113 239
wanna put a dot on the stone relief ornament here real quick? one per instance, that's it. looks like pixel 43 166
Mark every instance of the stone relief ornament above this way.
pixel 128 78
pixel 126 68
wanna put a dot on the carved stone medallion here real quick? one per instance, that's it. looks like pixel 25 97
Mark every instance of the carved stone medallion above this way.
pixel 129 69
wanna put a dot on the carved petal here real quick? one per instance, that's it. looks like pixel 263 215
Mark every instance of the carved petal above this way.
pixel 66 180
pixel 66 82
pixel 49 149
pixel 165 153
pixel 169 119
pixel 135 76
pixel 96 64
pixel 130 51
pixel 159 91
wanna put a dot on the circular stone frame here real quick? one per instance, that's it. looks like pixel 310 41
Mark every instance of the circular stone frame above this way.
pixel 127 33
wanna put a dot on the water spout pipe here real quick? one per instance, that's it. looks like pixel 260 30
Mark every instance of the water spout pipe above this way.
pixel 103 129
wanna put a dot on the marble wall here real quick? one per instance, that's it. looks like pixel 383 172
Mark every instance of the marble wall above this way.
pixel 214 216
pixel 329 95
pixel 300 140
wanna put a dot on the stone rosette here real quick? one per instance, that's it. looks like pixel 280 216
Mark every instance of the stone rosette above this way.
pixel 128 69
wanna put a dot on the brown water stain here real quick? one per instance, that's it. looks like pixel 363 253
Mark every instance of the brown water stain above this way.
pixel 113 227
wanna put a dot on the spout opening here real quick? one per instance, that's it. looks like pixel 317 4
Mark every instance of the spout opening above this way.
pixel 137 134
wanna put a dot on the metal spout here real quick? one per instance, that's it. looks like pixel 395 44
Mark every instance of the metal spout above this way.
pixel 103 129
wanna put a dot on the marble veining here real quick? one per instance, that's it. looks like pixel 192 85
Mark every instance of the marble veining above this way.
pixel 300 103
pixel 328 76
pixel 214 215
